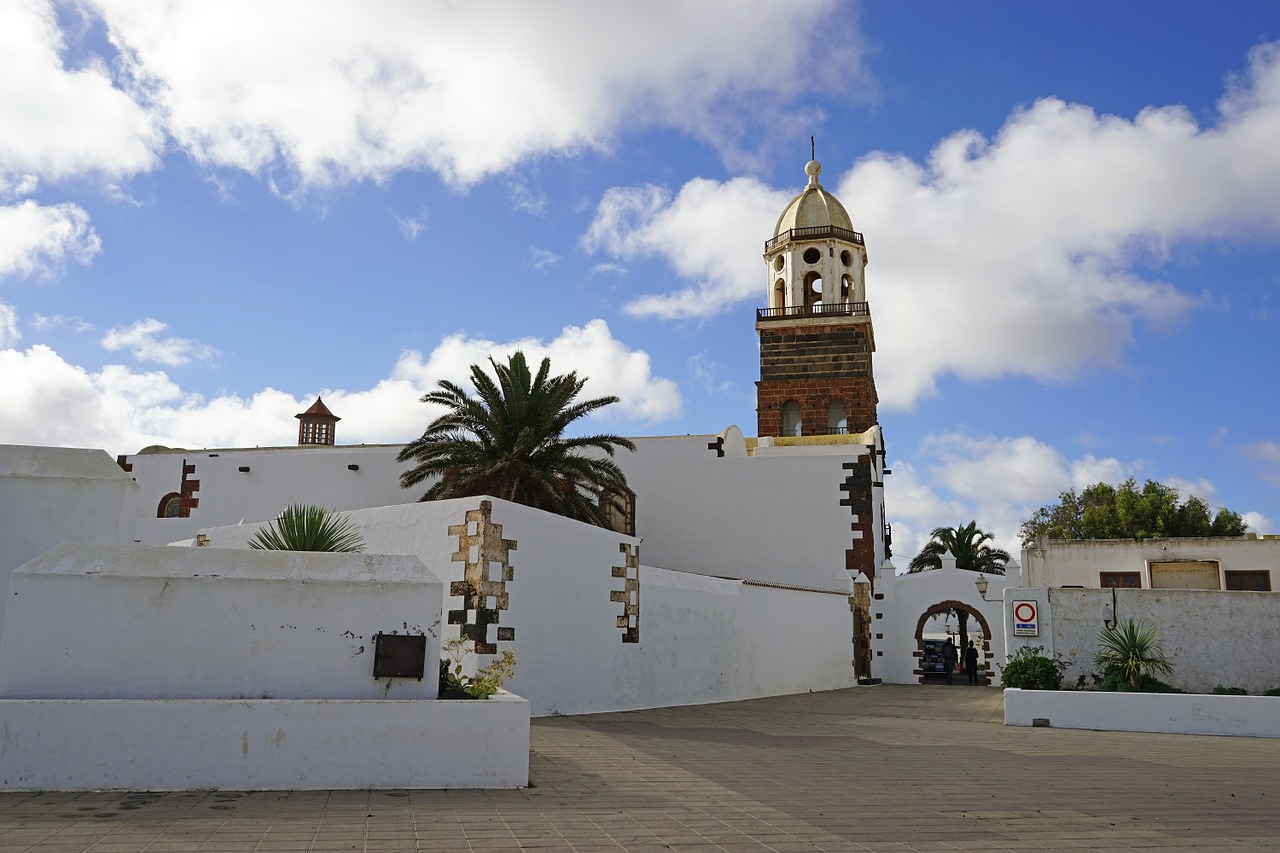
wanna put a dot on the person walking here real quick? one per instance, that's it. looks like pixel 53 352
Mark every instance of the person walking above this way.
pixel 949 658
pixel 971 662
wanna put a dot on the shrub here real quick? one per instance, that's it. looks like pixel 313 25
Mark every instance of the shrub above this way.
pixel 306 527
pixel 1134 650
pixel 1274 691
pixel 1115 681
pixel 1219 690
pixel 1028 669
pixel 487 680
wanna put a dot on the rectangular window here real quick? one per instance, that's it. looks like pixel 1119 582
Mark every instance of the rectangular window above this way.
pixel 1121 580
pixel 1185 574
pixel 1257 581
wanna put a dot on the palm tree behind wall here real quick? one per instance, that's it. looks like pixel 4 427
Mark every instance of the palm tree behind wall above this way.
pixel 968 544
pixel 509 442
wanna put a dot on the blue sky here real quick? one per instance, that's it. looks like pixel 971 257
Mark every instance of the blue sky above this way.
pixel 209 214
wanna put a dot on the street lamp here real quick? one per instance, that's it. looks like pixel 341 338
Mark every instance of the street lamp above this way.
pixel 982 583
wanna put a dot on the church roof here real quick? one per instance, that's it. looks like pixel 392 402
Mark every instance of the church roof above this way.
pixel 813 208
pixel 319 408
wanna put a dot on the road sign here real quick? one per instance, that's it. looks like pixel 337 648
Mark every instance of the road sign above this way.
pixel 1026 619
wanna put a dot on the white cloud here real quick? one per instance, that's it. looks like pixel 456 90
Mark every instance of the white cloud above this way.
pixel 541 259
pixel 1267 454
pixel 51 402
pixel 76 324
pixel 526 200
pixel 60 121
pixel 39 239
pixel 348 92
pixel 711 233
pixel 1022 254
pixel 143 340
pixel 1259 523
pixel 411 227
pixel 9 334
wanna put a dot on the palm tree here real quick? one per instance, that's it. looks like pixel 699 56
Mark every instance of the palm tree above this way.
pixel 306 527
pixel 509 443
pixel 968 545
pixel 1133 649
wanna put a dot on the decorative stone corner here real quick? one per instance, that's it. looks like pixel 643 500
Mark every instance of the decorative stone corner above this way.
pixel 629 595
pixel 480 545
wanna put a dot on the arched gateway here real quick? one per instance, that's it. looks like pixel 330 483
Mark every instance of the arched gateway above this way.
pixel 943 607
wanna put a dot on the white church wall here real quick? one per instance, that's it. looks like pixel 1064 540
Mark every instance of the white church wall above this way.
pixel 254 745
pixel 134 621
pixel 908 597
pixel 1212 637
pixel 701 639
pixel 775 516
pixel 1082 562
pixel 276 478
pixel 50 495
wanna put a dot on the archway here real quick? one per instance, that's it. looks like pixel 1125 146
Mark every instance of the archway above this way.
pixel 940 608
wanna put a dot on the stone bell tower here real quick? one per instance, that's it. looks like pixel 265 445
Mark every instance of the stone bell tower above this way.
pixel 816 338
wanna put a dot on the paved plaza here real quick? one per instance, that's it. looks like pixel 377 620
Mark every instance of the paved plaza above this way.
pixel 872 768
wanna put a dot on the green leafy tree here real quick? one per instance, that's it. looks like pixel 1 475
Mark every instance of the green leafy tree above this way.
pixel 1132 649
pixel 968 544
pixel 306 527
pixel 509 442
pixel 1103 511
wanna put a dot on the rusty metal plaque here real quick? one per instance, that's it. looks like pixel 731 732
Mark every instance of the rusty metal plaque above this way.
pixel 399 656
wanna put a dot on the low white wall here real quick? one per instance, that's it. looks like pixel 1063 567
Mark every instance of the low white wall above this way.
pixel 1174 713
pixel 263 745
pixel 1213 637
pixel 152 622
pixel 701 639
pixel 59 494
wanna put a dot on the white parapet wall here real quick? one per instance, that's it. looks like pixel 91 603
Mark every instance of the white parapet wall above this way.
pixel 173 745
pixel 595 630
pixel 153 622
pixel 1172 713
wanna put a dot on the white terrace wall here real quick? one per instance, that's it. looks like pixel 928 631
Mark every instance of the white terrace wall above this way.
pixel 703 505
pixel 1081 562
pixel 1213 637
pixel 50 495
pixel 139 621
pixel 902 602
pixel 563 609
pixel 779 515
pixel 276 478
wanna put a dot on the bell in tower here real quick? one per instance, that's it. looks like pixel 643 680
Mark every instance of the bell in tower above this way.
pixel 816 338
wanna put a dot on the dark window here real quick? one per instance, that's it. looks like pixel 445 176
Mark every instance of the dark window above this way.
pixel 1259 581
pixel 170 506
pixel 1121 580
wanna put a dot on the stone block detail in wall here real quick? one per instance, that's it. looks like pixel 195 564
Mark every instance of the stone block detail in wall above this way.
pixel 629 595
pixel 861 556
pixel 484 554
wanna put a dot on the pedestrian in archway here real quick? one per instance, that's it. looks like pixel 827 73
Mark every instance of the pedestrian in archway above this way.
pixel 949 658
pixel 971 662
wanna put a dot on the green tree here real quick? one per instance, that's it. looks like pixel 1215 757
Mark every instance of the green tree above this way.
pixel 306 527
pixel 968 544
pixel 1103 511
pixel 1133 649
pixel 509 442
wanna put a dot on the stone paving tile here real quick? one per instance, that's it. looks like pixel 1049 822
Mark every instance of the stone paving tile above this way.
pixel 886 768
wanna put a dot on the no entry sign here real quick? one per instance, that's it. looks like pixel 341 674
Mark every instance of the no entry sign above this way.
pixel 1026 619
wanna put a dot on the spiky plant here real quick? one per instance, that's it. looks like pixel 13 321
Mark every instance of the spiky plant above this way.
pixel 1133 649
pixel 307 527
pixel 509 442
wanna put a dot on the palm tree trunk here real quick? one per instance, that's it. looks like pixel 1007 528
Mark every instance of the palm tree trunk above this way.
pixel 962 619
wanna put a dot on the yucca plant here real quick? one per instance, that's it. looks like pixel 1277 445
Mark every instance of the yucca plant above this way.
pixel 1132 649
pixel 307 527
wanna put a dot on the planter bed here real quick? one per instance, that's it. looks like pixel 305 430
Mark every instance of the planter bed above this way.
pixel 1174 713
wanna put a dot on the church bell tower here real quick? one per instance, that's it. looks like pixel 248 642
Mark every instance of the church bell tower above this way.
pixel 816 338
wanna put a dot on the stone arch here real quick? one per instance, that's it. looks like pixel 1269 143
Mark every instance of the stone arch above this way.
pixel 943 607
pixel 170 506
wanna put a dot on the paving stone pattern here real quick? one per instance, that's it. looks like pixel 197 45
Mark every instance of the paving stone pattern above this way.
pixel 886 768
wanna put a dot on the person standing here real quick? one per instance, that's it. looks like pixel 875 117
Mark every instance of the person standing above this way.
pixel 971 662
pixel 949 658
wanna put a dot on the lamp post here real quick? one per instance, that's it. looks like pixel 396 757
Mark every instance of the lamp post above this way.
pixel 982 583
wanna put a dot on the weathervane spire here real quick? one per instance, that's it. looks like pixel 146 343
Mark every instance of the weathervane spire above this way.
pixel 812 154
